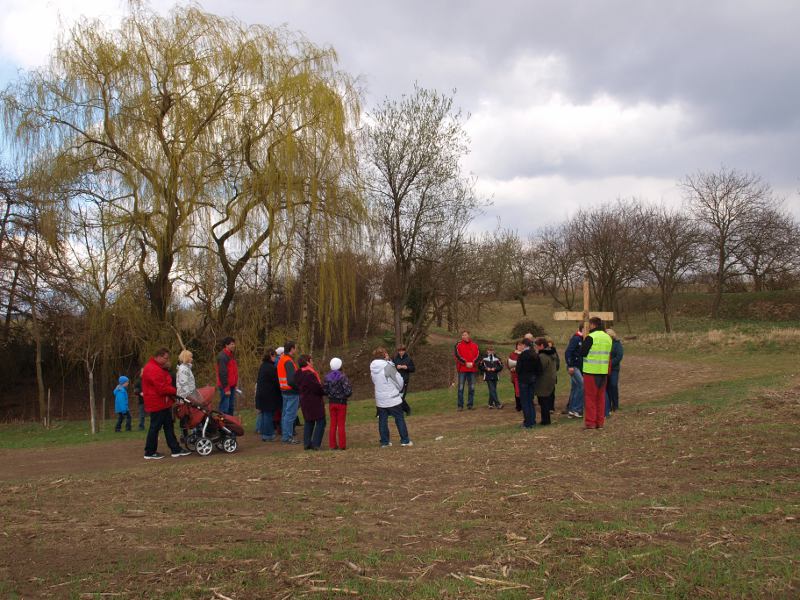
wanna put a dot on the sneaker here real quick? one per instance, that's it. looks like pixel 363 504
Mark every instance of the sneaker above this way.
pixel 268 439
pixel 290 441
pixel 469 407
pixel 153 456
pixel 386 445
pixel 407 444
pixel 180 453
pixel 500 405
pixel 491 406
pixel 572 414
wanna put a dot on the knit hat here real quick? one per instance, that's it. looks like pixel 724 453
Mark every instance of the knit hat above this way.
pixel 123 379
pixel 336 364
pixel 279 350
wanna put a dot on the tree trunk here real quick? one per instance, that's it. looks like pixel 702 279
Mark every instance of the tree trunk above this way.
pixel 92 405
pixel 522 304
pixel 39 376
pixel 397 307
pixel 665 311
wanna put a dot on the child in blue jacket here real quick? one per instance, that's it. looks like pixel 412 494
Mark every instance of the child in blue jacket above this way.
pixel 121 404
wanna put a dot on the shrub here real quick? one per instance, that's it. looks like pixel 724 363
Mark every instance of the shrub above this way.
pixel 527 326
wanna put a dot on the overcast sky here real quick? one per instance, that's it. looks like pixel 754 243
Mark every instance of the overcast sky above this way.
pixel 571 103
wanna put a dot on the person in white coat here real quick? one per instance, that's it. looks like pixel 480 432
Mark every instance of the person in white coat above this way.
pixel 388 397
pixel 184 377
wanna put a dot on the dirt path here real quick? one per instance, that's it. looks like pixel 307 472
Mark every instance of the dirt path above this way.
pixel 638 376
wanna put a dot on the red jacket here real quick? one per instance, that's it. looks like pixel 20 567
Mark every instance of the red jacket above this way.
pixel 227 371
pixel 157 387
pixel 467 352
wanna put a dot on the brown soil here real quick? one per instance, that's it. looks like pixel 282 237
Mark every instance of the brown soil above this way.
pixel 486 502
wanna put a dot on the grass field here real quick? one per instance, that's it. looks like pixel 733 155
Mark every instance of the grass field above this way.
pixel 691 491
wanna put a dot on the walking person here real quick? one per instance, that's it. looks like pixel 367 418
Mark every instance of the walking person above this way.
pixel 528 368
pixel 338 389
pixel 227 376
pixel 287 370
pixel 268 396
pixel 512 367
pixel 184 377
pixel 574 360
pixel 388 397
pixel 596 351
pixel 159 396
pixel 309 384
pixel 612 389
pixel 490 365
pixel 546 380
pixel 405 366
pixel 121 404
pixel 466 353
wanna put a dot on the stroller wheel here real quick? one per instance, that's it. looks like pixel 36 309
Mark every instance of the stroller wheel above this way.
pixel 204 446
pixel 191 442
pixel 230 445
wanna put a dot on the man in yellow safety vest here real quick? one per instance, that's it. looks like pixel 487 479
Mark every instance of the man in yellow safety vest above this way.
pixel 596 351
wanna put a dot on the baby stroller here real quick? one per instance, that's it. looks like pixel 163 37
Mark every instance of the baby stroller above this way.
pixel 203 428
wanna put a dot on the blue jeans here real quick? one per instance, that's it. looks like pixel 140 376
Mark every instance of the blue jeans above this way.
pixel 576 392
pixel 312 433
pixel 291 402
pixel 265 425
pixel 462 379
pixel 493 400
pixel 399 420
pixel 227 402
pixel 526 399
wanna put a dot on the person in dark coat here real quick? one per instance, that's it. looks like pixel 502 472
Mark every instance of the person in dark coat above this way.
pixel 546 380
pixel 268 396
pixel 405 366
pixel 490 365
pixel 528 369
pixel 309 384
pixel 612 389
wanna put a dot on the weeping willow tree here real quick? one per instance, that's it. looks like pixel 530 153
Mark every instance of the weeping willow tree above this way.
pixel 201 118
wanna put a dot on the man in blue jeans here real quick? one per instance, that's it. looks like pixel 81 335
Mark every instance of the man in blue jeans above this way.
pixel 227 376
pixel 575 368
pixel 287 369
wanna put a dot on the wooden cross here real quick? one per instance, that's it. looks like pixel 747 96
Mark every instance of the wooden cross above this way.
pixel 586 314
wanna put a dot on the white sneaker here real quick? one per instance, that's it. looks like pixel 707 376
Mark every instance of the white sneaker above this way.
pixel 386 445
pixel 408 443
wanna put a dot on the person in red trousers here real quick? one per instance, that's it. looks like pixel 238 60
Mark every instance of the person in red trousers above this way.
pixel 596 351
pixel 338 389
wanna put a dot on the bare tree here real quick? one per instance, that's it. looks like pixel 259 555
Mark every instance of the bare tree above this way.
pixel 605 238
pixel 412 153
pixel 556 264
pixel 669 248
pixel 768 250
pixel 726 203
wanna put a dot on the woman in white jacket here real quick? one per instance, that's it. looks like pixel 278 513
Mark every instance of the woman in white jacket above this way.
pixel 388 397
pixel 184 378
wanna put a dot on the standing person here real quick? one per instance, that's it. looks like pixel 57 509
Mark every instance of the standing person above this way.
pixel 405 366
pixel 287 370
pixel 551 349
pixel 528 368
pixel 121 404
pixel 268 396
pixel 338 389
pixel 388 397
pixel 546 381
pixel 490 365
pixel 574 360
pixel 311 401
pixel 466 353
pixel 227 376
pixel 137 391
pixel 184 377
pixel 596 352
pixel 612 390
pixel 159 395
pixel 512 367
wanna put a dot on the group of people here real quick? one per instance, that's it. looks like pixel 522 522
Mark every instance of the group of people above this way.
pixel 289 383
pixel 593 364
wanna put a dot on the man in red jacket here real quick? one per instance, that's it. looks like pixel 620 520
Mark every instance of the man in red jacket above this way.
pixel 466 354
pixel 158 393
pixel 227 376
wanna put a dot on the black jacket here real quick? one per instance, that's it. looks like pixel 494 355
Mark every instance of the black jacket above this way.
pixel 268 391
pixel 490 361
pixel 405 360
pixel 528 366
